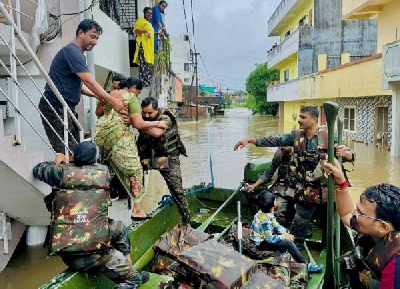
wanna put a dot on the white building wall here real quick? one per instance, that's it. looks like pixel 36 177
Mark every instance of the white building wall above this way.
pixel 180 54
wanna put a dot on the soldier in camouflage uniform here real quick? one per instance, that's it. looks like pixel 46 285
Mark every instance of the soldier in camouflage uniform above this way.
pixel 160 149
pixel 310 148
pixel 283 187
pixel 81 232
pixel 376 215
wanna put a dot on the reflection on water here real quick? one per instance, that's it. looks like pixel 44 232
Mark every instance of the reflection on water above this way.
pixel 30 269
pixel 216 137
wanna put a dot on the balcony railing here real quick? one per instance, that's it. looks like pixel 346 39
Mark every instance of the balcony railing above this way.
pixel 283 14
pixel 302 37
pixel 279 13
pixel 391 63
pixel 287 91
pixel 288 47
pixel 122 12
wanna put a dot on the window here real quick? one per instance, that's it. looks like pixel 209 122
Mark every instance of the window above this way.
pixel 185 37
pixel 186 67
pixel 286 75
pixel 186 80
pixel 349 121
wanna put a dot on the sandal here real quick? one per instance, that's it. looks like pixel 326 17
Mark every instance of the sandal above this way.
pixel 148 216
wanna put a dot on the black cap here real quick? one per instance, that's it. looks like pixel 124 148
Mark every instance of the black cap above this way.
pixel 85 153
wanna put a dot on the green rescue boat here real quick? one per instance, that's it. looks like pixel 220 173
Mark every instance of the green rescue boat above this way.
pixel 214 211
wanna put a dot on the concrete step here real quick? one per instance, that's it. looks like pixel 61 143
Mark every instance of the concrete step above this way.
pixel 22 198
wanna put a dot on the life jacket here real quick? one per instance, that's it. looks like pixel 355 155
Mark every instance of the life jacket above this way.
pixel 154 152
pixel 309 165
pixel 286 177
pixel 381 254
pixel 80 221
pixel 369 269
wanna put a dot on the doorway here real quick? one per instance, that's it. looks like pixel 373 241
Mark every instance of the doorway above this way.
pixel 381 125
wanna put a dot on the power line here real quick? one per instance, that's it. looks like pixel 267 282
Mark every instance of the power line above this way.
pixel 186 23
pixel 205 66
pixel 191 11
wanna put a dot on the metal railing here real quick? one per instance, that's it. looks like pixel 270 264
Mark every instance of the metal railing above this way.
pixel 15 31
pixel 4 231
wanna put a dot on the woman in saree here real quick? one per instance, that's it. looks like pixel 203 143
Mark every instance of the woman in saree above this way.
pixel 116 141
pixel 144 53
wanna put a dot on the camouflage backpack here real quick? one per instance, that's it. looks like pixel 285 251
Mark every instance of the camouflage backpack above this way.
pixel 80 211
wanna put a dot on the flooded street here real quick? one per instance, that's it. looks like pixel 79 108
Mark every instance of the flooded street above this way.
pixel 216 136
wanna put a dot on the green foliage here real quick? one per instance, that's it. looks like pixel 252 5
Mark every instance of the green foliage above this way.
pixel 256 86
pixel 227 100
pixel 165 52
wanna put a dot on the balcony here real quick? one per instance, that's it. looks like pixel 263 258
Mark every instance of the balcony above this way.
pixel 283 13
pixel 340 81
pixel 287 48
pixel 391 64
pixel 287 91
pixel 362 9
pixel 300 38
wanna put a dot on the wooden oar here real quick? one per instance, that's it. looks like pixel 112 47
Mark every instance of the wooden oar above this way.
pixel 331 110
pixel 337 217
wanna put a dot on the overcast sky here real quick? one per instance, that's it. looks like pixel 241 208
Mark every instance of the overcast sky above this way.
pixel 231 36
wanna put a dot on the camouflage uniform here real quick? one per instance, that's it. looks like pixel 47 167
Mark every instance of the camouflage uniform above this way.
pixel 282 187
pixel 312 181
pixel 163 154
pixel 109 256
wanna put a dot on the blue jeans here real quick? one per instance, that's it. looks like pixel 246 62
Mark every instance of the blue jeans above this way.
pixel 301 222
pixel 283 246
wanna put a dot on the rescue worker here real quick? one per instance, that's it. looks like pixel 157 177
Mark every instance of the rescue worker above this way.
pixel 159 149
pixel 310 145
pixel 283 187
pixel 377 215
pixel 81 232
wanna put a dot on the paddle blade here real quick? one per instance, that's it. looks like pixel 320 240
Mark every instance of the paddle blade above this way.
pixel 331 110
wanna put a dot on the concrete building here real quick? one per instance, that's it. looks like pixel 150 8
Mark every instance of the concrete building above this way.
pixel 316 57
pixel 181 63
pixel 385 75
pixel 27 47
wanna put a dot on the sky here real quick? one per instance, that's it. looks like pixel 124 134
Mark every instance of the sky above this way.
pixel 230 35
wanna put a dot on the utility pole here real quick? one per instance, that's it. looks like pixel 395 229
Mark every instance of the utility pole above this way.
pixel 195 54
pixel 197 88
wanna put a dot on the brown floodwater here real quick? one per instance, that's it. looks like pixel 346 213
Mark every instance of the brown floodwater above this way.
pixel 30 267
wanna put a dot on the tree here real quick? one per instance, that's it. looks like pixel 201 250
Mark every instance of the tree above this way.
pixel 256 86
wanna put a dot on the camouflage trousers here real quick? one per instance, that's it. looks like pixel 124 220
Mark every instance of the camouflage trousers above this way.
pixel 111 263
pixel 173 178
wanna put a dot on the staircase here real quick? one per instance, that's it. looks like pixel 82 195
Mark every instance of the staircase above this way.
pixel 22 139
pixel 22 195
pixel 11 232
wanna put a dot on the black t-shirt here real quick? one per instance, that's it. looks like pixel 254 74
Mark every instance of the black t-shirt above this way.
pixel 67 62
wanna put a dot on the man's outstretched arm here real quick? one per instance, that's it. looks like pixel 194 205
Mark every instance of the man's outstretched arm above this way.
pixel 49 172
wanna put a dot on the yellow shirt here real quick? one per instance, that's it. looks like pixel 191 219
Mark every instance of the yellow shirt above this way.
pixel 147 42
